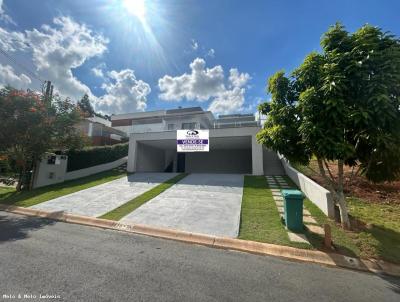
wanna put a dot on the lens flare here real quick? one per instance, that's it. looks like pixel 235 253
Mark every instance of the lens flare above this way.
pixel 136 8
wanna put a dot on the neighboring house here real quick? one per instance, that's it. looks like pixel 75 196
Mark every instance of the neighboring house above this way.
pixel 100 132
pixel 233 144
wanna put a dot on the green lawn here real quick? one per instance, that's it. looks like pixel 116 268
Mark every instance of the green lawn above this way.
pixel 380 239
pixel 133 204
pixel 30 198
pixel 379 234
pixel 341 239
pixel 260 220
pixel 6 190
pixel 376 226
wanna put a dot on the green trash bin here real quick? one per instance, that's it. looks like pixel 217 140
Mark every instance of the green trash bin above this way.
pixel 293 209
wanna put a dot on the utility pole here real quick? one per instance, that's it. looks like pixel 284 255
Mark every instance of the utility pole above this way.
pixel 49 92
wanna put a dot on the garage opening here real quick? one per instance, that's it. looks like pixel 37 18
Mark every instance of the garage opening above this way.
pixel 226 155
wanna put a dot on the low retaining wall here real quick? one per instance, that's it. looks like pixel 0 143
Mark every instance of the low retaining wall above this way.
pixel 320 196
pixel 51 173
pixel 95 169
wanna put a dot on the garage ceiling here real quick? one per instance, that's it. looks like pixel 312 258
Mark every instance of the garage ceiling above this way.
pixel 216 143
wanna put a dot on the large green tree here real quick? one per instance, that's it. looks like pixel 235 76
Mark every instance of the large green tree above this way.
pixel 341 105
pixel 85 106
pixel 88 111
pixel 32 125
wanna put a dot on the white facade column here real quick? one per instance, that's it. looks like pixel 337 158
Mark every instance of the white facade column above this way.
pixel 132 154
pixel 90 131
pixel 257 156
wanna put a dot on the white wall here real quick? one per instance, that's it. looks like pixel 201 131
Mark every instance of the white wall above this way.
pixel 257 157
pixel 126 129
pixel 60 173
pixel 320 196
pixel 44 170
pixel 143 128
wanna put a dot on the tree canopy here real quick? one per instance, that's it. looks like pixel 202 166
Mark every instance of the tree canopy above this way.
pixel 31 126
pixel 88 111
pixel 85 106
pixel 343 105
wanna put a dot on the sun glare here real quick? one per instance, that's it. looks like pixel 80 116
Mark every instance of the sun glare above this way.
pixel 136 8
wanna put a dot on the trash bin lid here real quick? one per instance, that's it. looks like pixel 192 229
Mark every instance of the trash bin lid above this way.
pixel 290 193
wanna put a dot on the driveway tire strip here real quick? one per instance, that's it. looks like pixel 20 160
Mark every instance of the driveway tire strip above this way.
pixel 276 184
pixel 328 259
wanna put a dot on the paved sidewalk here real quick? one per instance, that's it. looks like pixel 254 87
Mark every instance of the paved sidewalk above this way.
pixel 276 183
pixel 101 199
pixel 200 203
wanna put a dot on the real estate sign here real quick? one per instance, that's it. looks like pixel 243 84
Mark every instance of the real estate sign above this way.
pixel 192 141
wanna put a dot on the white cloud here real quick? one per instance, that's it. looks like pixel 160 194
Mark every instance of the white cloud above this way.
pixel 203 84
pixel 9 77
pixel 3 16
pixel 194 45
pixel 238 79
pixel 12 41
pixel 211 53
pixel 57 50
pixel 125 93
pixel 97 72
pixel 228 101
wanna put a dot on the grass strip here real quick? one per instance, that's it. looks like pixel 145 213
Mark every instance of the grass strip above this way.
pixel 133 204
pixel 39 195
pixel 260 220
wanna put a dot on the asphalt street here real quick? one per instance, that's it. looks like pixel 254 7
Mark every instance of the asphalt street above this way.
pixel 69 262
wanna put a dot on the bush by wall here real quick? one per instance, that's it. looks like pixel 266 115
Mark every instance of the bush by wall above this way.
pixel 93 156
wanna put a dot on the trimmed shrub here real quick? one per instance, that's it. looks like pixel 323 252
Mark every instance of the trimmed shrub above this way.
pixel 93 156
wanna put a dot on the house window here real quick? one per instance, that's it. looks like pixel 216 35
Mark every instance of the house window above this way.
pixel 188 125
pixel 51 160
pixel 171 126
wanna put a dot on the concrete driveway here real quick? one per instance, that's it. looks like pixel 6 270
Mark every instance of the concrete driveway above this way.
pixel 199 203
pixel 101 199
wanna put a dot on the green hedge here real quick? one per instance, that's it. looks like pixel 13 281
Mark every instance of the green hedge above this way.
pixel 93 156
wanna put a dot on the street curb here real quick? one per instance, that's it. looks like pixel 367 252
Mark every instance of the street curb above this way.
pixel 318 257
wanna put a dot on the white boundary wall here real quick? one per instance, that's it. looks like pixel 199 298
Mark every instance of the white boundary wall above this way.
pixel 95 169
pixel 320 196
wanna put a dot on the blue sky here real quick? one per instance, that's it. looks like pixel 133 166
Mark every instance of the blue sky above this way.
pixel 217 54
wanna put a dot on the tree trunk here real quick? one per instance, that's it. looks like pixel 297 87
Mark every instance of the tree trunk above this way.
pixel 337 191
pixel 20 178
pixel 32 174
pixel 341 201
pixel 344 214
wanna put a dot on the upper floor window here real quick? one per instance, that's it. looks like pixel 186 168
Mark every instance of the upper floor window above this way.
pixel 189 125
pixel 171 126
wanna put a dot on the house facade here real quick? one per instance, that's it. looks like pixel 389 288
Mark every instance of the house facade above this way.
pixel 100 132
pixel 233 147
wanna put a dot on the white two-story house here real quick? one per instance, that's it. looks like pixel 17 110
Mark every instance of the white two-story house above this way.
pixel 232 143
